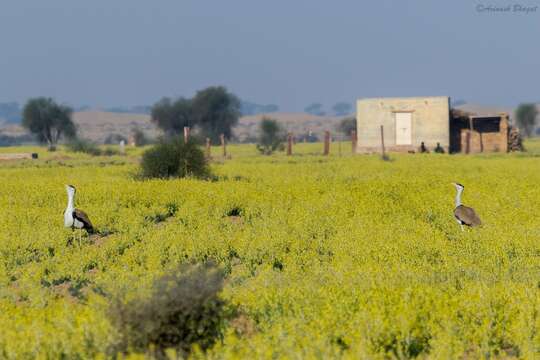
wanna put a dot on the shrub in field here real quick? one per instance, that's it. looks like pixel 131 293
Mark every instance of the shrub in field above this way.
pixel 174 158
pixel 346 125
pixel 83 146
pixel 184 309
pixel 90 148
pixel 109 151
pixel 139 137
pixel 271 136
pixel 114 139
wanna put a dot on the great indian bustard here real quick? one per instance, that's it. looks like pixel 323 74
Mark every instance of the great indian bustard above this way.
pixel 464 214
pixel 75 218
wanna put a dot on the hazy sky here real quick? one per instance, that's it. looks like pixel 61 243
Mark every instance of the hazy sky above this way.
pixel 291 53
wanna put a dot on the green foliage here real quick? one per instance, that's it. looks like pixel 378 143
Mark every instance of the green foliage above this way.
pixel 173 115
pixel 271 136
pixel 88 147
pixel 342 108
pixel 110 151
pixel 174 158
pixel 526 118
pixel 183 309
pixel 83 146
pixel 216 111
pixel 114 139
pixel 347 125
pixel 249 108
pixel 139 137
pixel 48 120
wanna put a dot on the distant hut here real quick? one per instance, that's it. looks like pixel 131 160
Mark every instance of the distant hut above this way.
pixel 410 122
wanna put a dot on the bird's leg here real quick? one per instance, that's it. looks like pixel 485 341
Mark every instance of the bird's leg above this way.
pixel 80 237
pixel 462 228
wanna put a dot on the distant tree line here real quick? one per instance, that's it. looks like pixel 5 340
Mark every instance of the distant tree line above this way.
pixel 249 108
pixel 212 111
pixel 339 109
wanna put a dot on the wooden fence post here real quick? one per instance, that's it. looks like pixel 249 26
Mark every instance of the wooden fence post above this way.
pixel 222 138
pixel 382 142
pixel 503 132
pixel 326 142
pixel 186 134
pixel 289 143
pixel 354 140
pixel 208 153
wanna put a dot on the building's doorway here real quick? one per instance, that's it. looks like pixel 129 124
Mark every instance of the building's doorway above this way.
pixel 403 128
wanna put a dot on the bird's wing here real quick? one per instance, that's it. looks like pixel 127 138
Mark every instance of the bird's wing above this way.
pixel 82 217
pixel 467 215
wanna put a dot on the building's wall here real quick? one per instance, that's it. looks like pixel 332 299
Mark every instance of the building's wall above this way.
pixel 430 122
pixel 486 140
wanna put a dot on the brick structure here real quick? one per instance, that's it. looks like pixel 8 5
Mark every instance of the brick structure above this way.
pixel 476 134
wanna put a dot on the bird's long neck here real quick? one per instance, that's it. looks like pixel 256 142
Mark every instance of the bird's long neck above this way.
pixel 71 201
pixel 458 197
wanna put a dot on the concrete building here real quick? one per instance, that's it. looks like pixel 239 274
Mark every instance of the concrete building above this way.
pixel 409 122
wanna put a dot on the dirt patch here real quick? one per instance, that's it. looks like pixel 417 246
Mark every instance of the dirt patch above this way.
pixel 243 325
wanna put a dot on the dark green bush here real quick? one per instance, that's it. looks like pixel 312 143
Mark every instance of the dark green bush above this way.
pixel 174 158
pixel 109 151
pixel 90 148
pixel 84 146
pixel 114 139
pixel 271 136
pixel 139 137
pixel 183 309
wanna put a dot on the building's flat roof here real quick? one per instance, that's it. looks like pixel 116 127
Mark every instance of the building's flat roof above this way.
pixel 487 116
pixel 404 98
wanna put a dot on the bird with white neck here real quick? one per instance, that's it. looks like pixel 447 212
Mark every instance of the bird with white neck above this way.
pixel 75 218
pixel 464 215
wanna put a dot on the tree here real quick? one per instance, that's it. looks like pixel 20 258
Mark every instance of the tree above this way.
pixel 526 118
pixel 171 116
pixel 216 112
pixel 315 109
pixel 342 108
pixel 139 137
pixel 48 120
pixel 249 108
pixel 347 125
pixel 271 136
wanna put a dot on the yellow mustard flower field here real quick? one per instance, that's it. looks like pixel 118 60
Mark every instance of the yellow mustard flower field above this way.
pixel 325 257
